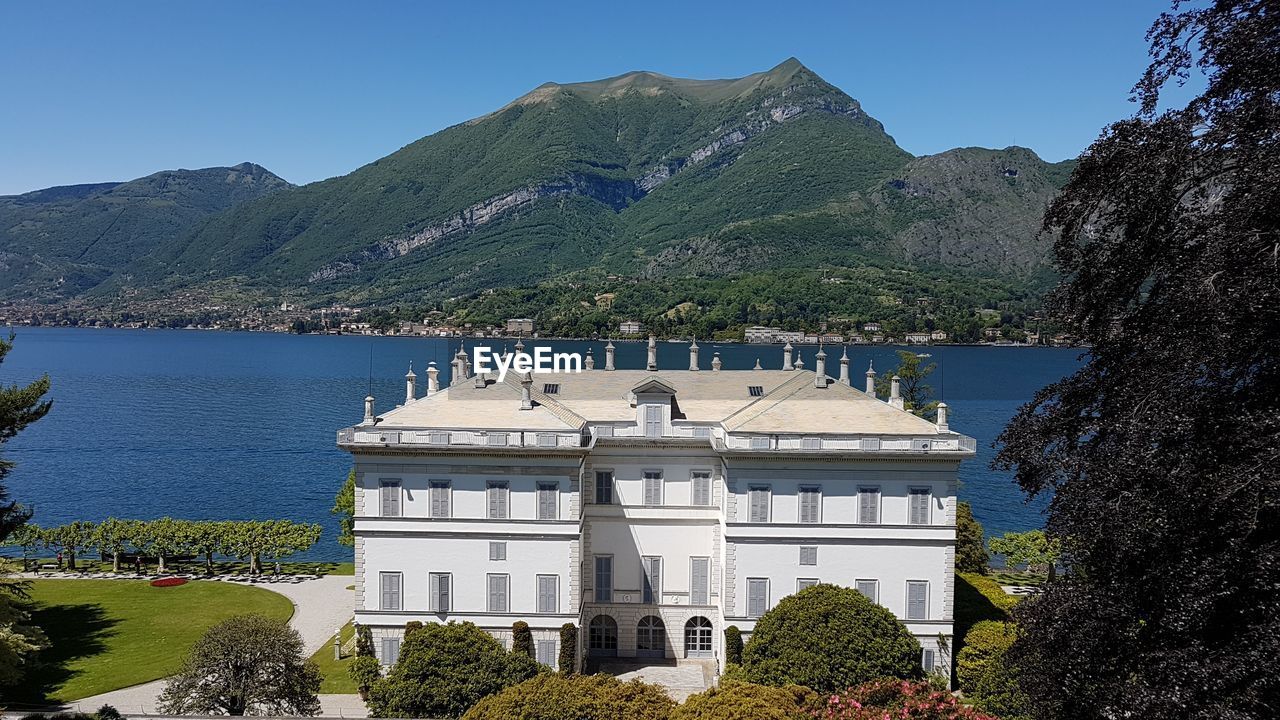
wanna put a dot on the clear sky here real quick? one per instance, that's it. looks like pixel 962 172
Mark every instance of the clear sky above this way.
pixel 94 91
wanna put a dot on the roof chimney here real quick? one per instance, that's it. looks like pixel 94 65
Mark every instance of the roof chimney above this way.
pixel 758 366
pixel 786 357
pixel 433 379
pixel 715 362
pixel 942 418
pixel 895 397
pixel 459 373
pixel 368 410
pixel 799 362
pixel 820 367
pixel 410 385
pixel 871 379
pixel 608 356
pixel 693 354
pixel 652 363
pixel 526 391
pixel 519 345
pixel 590 362
pixel 844 367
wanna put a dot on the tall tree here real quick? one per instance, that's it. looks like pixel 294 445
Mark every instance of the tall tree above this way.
pixel 916 393
pixel 971 550
pixel 1162 453
pixel 247 664
pixel 344 506
pixel 19 407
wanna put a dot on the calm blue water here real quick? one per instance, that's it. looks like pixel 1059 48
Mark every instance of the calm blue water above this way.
pixel 213 425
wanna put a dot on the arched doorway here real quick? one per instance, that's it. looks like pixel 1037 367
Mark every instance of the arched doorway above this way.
pixel 697 638
pixel 602 637
pixel 651 637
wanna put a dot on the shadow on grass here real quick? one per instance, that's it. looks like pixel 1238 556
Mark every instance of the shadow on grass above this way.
pixel 75 632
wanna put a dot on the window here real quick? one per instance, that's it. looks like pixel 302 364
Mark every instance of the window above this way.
pixel 697 638
pixel 802 583
pixel 548 593
pixel 546 652
pixel 701 490
pixel 546 440
pixel 604 578
pixel 652 567
pixel 810 504
pixel 441 595
pixel 548 500
pixel 390 584
pixel 439 491
pixel 759 443
pixel 498 585
pixel 497 551
pixel 499 494
pixel 811 443
pixel 917 599
pixel 496 439
pixel 755 390
pixel 602 636
pixel 604 487
pixel 653 421
pixel 551 388
pixel 603 430
pixel 926 660
pixel 757 597
pixel 868 505
pixel 702 432
pixel 699 580
pixel 390 650
pixel 759 498
pixel 439 438
pixel 808 554
pixel 919 506
pixel 389 492
pixel 652 487
pixel 869 588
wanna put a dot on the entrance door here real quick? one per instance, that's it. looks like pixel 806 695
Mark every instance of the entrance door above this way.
pixel 651 638
pixel 697 638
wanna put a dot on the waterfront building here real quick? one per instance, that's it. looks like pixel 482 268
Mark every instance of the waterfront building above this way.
pixel 651 508
pixel 519 326
pixel 630 327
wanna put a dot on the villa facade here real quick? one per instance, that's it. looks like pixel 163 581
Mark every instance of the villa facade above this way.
pixel 651 508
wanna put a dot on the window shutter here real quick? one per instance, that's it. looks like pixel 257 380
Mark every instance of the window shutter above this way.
pixel 702 488
pixel 808 555
pixel 547 590
pixel 917 600
pixel 439 499
pixel 547 501
pixel 810 502
pixel 757 596
pixel 653 421
pixel 868 506
pixel 604 579
pixel 390 591
pixel 699 577
pixel 390 650
pixel 546 651
pixel 445 595
pixel 652 579
pixel 759 504
pixel 803 583
pixel 497 551
pixel 919 507
pixel 927 661
pixel 498 593
pixel 498 495
pixel 390 499
pixel 653 488
pixel 868 589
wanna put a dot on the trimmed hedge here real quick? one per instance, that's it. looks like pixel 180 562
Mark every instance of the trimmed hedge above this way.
pixel 984 673
pixel 744 701
pixel 522 638
pixel 733 645
pixel 577 697
pixel 829 638
pixel 568 649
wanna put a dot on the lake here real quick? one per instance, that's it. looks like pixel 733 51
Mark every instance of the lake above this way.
pixel 221 425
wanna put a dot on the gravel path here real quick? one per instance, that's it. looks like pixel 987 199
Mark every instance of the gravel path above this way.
pixel 320 607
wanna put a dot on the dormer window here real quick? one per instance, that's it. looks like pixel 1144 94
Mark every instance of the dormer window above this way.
pixel 653 421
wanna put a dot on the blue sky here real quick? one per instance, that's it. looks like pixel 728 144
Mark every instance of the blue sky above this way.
pixel 98 91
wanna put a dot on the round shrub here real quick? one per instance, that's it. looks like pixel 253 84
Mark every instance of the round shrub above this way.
pixel 733 645
pixel 829 638
pixel 445 669
pixel 897 699
pixel 577 697
pixel 411 627
pixel 745 701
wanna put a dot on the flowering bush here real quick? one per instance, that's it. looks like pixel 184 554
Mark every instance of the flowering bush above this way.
pixel 896 700
pixel 168 582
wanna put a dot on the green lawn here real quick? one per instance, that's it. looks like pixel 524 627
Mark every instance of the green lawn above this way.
pixel 336 679
pixel 110 634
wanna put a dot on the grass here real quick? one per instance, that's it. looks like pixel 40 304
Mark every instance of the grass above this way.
pixel 1016 577
pixel 110 634
pixel 228 567
pixel 336 678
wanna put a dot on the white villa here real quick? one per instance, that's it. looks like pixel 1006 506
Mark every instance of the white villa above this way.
pixel 651 508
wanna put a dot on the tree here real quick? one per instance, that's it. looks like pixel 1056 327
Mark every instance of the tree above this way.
pixel 739 701
pixel 364 671
pixel 971 552
pixel 113 536
pixel 733 645
pixel 828 638
pixel 344 506
pixel 169 537
pixel 19 407
pixel 208 538
pixel 1160 453
pixel 364 641
pixel 70 539
pixel 444 669
pixel 522 638
pixel 247 664
pixel 582 697
pixel 1031 548
pixel 27 536
pixel 915 392
pixel 568 649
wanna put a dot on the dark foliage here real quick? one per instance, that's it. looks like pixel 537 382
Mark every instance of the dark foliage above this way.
pixel 744 701
pixel 568 649
pixel 580 697
pixel 971 549
pixel 733 645
pixel 522 638
pixel 1163 452
pixel 19 407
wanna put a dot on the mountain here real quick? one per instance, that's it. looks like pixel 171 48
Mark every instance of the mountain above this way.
pixel 63 241
pixel 641 175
